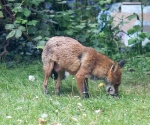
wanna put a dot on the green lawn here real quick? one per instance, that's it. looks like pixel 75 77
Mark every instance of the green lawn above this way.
pixel 23 102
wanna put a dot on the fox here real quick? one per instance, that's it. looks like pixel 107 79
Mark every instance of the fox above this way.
pixel 64 54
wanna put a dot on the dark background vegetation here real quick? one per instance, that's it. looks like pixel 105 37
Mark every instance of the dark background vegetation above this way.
pixel 26 25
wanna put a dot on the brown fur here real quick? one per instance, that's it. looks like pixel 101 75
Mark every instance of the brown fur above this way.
pixel 66 54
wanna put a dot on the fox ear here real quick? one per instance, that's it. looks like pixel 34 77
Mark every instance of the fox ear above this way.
pixel 114 67
pixel 121 63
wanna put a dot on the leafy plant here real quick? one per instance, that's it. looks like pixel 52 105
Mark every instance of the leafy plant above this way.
pixel 1 13
pixel 16 30
pixel 37 20
pixel 138 36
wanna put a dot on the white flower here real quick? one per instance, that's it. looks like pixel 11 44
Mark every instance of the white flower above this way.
pixel 50 99
pixel 58 123
pixel 31 78
pixel 79 104
pixel 36 97
pixel 9 117
pixel 19 108
pixel 74 119
pixel 97 111
pixel 19 120
pixel 44 115
pixel 84 114
pixel 55 123
pixel 77 96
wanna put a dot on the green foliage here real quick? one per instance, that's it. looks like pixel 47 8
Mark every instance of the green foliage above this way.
pixel 103 2
pixel 132 41
pixel 135 29
pixel 37 20
pixel 16 30
pixel 33 2
pixel 106 40
pixel 147 35
pixel 134 15
pixel 140 62
pixel 1 14
pixel 138 35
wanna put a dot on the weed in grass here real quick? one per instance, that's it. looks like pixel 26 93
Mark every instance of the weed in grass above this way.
pixel 22 101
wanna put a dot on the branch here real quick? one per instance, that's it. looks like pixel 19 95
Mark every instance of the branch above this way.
pixel 5 50
pixel 116 44
pixel 29 38
pixel 7 10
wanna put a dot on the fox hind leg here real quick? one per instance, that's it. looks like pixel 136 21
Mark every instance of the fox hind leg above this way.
pixel 61 75
pixel 48 67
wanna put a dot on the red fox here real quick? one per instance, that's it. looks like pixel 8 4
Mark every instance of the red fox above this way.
pixel 62 54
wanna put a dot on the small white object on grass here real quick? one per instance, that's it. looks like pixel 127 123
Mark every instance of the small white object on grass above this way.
pixel 97 111
pixel 79 104
pixel 9 117
pixel 74 119
pixel 44 116
pixel 19 121
pixel 31 78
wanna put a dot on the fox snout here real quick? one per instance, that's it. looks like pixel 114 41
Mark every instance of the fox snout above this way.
pixel 111 90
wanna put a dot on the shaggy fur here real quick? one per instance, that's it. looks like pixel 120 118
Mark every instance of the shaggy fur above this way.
pixel 62 54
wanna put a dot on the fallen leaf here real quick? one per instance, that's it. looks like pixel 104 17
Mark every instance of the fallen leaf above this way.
pixel 42 121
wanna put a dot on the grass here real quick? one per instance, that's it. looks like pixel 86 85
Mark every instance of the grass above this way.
pixel 23 102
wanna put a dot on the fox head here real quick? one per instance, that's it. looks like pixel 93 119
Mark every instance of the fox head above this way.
pixel 113 79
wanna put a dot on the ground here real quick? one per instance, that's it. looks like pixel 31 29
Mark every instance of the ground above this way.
pixel 22 101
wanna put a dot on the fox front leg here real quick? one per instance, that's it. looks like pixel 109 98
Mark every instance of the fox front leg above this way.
pixel 85 88
pixel 82 86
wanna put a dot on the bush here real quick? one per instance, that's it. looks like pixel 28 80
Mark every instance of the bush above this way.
pixel 35 21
